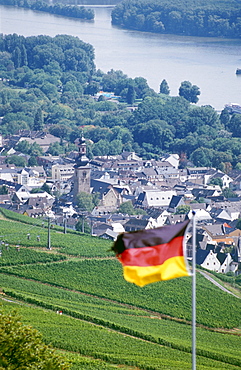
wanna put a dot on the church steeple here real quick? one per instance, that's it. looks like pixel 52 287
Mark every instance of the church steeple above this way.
pixel 82 169
pixel 82 159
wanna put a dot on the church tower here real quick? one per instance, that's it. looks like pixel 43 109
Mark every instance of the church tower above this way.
pixel 82 169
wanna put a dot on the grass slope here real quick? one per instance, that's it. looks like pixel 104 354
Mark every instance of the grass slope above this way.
pixel 104 279
pixel 89 340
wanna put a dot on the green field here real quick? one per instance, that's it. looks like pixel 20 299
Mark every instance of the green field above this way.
pixel 108 323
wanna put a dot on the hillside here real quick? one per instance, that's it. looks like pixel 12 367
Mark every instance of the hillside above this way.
pixel 106 321
pixel 51 85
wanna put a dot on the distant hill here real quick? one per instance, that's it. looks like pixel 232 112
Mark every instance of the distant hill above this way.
pixel 203 18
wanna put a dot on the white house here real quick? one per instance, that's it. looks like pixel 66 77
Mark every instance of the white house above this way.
pixel 218 262
pixel 62 172
pixel 157 217
pixel 208 260
pixel 118 227
pixel 223 176
pixel 173 159
pixel 157 198
pixel 200 215
pixel 226 263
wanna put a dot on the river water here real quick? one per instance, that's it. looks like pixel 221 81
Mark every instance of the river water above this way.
pixel 209 63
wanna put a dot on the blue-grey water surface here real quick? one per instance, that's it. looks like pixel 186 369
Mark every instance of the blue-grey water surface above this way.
pixel 210 63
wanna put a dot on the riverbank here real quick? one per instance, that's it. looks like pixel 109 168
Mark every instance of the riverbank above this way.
pixel 209 63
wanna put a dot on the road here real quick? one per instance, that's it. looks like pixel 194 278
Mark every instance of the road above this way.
pixel 216 283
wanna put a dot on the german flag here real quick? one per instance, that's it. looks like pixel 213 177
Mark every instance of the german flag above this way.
pixel 152 255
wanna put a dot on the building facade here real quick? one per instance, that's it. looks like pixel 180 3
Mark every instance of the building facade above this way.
pixel 82 169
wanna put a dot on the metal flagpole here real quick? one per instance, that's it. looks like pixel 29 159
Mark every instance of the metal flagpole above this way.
pixel 49 237
pixel 193 292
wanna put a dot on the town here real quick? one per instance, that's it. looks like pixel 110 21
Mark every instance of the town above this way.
pixel 108 195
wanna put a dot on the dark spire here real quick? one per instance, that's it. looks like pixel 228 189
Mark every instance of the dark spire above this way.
pixel 82 159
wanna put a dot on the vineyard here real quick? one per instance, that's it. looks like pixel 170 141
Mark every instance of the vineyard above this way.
pixel 108 323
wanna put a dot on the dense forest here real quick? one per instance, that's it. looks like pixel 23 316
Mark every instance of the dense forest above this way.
pixel 56 8
pixel 52 84
pixel 203 18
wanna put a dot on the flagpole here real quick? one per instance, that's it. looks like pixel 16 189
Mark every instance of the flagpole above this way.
pixel 193 292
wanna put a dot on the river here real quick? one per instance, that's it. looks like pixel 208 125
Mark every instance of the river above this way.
pixel 209 63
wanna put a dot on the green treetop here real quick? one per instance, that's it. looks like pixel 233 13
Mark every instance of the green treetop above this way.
pixel 21 347
pixel 164 88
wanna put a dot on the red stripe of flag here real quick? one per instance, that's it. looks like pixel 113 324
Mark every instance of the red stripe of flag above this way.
pixel 152 256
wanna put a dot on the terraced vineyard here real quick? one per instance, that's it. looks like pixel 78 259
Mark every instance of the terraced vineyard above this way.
pixel 107 322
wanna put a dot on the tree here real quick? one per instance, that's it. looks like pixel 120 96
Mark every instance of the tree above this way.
pixel 148 109
pixel 17 57
pixel 115 147
pixel 141 87
pixel 224 117
pixel 38 120
pixel 46 188
pixel 238 224
pixel 131 95
pixel 35 150
pixel 98 133
pixel 55 148
pixel 23 146
pixel 101 98
pixel 199 117
pixel 85 201
pixel 36 191
pixel 228 193
pixel 182 210
pixel 189 92
pixel 61 130
pixel 155 132
pixel 101 148
pixel 83 226
pixel 32 161
pixel 121 133
pixel 234 125
pixel 164 88
pixel 18 161
pixel 92 88
pixel 21 347
pixel 96 198
pixel 127 208
pixel 217 181
pixel 24 56
pixel 3 190
pixel 50 90
pixel 202 157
